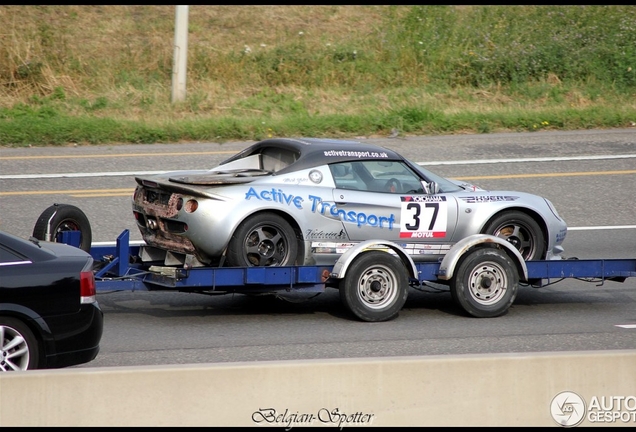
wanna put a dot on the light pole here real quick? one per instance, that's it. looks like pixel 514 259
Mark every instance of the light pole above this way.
pixel 180 59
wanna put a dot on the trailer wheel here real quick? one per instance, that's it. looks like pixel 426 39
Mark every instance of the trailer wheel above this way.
pixel 485 283
pixel 375 287
pixel 63 217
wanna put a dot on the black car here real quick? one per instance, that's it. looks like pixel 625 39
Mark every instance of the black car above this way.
pixel 49 314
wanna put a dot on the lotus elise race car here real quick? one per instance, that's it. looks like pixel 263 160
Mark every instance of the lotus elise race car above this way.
pixel 306 201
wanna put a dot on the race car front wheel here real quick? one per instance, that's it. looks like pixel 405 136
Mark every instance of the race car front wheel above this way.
pixel 375 286
pixel 520 230
pixel 264 239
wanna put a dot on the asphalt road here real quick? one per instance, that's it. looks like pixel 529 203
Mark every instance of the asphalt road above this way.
pixel 590 176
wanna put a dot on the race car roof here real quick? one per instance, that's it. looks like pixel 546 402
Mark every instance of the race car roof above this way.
pixel 312 152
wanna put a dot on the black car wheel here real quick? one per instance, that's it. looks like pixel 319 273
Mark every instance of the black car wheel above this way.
pixel 63 217
pixel 18 346
pixel 523 232
pixel 264 239
pixel 375 287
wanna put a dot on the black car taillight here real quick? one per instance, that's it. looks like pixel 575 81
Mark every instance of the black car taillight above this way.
pixel 87 287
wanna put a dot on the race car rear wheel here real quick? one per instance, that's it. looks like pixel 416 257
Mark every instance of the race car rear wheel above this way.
pixel 375 287
pixel 485 282
pixel 522 231
pixel 263 240
pixel 63 217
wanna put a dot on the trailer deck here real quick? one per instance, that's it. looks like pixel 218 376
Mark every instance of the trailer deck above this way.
pixel 119 273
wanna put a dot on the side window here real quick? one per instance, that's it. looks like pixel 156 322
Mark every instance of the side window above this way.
pixel 345 177
pixel 391 176
pixel 275 159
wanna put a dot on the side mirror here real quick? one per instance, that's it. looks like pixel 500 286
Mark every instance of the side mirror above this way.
pixel 431 188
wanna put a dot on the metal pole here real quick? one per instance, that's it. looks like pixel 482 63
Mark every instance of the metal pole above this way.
pixel 180 60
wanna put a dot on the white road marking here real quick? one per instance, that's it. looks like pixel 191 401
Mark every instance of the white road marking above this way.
pixel 461 162
pixel 601 227
pixel 541 159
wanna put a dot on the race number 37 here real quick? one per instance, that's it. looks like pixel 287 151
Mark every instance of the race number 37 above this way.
pixel 421 219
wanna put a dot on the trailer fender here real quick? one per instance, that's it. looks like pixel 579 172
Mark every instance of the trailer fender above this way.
pixel 450 260
pixel 340 268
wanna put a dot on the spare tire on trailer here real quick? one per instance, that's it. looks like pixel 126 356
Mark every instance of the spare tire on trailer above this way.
pixel 63 217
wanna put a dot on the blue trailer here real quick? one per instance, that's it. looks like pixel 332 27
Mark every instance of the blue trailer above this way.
pixel 482 272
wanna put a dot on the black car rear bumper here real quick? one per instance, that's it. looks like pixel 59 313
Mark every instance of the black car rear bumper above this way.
pixel 77 337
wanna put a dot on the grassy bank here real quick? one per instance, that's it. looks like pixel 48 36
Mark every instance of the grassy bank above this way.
pixel 103 74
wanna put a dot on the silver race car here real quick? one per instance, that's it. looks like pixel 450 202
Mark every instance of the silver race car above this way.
pixel 306 201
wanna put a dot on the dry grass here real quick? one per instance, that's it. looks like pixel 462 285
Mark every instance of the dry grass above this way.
pixel 287 65
pixel 93 35
pixel 85 49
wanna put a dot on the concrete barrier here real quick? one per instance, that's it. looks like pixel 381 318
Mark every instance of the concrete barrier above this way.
pixel 531 389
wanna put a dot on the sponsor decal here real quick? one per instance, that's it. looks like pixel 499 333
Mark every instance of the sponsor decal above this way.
pixel 423 216
pixel 319 247
pixel 320 234
pixel 488 198
pixel 419 249
pixel 322 207
pixel 359 218
pixel 275 195
pixel 358 154
pixel 315 176
pixel 423 198
pixel 297 180
pixel 561 235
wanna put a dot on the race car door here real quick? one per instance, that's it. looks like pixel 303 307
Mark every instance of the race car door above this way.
pixel 386 200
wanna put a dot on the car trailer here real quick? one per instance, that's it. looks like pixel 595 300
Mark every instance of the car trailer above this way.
pixel 483 272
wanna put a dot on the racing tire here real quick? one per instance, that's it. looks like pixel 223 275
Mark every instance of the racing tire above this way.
pixel 522 231
pixel 19 346
pixel 63 217
pixel 263 240
pixel 485 283
pixel 375 287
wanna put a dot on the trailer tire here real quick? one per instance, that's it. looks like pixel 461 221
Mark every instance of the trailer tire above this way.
pixel 485 282
pixel 60 218
pixel 375 287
